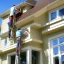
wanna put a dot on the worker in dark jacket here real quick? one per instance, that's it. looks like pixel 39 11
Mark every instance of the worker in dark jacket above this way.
pixel 11 17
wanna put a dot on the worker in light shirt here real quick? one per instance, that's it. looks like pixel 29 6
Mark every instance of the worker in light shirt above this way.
pixel 12 11
pixel 19 35
pixel 11 17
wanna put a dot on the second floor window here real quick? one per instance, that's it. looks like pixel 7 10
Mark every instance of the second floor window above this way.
pixel 53 15
pixel 56 13
pixel 5 41
pixel 61 12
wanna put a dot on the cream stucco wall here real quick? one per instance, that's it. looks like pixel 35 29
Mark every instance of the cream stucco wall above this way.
pixel 35 34
pixel 2 43
pixel 42 19
pixel 4 59
pixel 4 26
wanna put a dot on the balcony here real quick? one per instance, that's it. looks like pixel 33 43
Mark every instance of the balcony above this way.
pixel 33 39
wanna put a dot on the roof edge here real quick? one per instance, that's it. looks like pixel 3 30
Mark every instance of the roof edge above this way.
pixel 17 6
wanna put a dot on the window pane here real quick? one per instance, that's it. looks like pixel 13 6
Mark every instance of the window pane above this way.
pixel 12 59
pixel 62 49
pixel 61 40
pixel 53 15
pixel 5 42
pixel 35 57
pixel 55 51
pixel 62 59
pixel 61 12
pixel 54 42
pixel 23 58
pixel 56 60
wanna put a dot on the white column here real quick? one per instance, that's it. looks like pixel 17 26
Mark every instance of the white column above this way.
pixel 8 59
pixel 29 56
pixel 41 57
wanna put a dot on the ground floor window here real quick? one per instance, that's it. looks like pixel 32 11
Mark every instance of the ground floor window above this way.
pixel 13 59
pixel 56 60
pixel 57 50
pixel 23 58
pixel 35 56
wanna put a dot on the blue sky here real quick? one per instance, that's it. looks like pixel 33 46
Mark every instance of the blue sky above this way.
pixel 6 4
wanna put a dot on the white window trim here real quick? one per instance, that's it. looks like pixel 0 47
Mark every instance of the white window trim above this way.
pixel 13 53
pixel 57 10
pixel 9 57
pixel 40 51
pixel 50 55
pixel 25 49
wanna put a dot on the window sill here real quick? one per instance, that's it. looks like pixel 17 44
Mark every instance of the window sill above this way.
pixel 54 26
pixel 59 19
pixel 56 20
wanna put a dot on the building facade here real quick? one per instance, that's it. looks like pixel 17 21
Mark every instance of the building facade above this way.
pixel 45 41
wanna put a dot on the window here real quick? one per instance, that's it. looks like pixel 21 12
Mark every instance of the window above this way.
pixel 62 59
pixel 5 41
pixel 54 42
pixel 56 13
pixel 56 60
pixel 35 57
pixel 61 12
pixel 23 58
pixel 61 40
pixel 53 15
pixel 0 31
pixel 12 59
pixel 62 49
pixel 57 47
pixel 55 50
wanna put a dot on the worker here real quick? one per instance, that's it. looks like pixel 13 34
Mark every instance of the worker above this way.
pixel 19 34
pixel 12 11
pixel 11 23
pixel 18 14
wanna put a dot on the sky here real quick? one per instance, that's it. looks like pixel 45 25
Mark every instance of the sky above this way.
pixel 6 4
